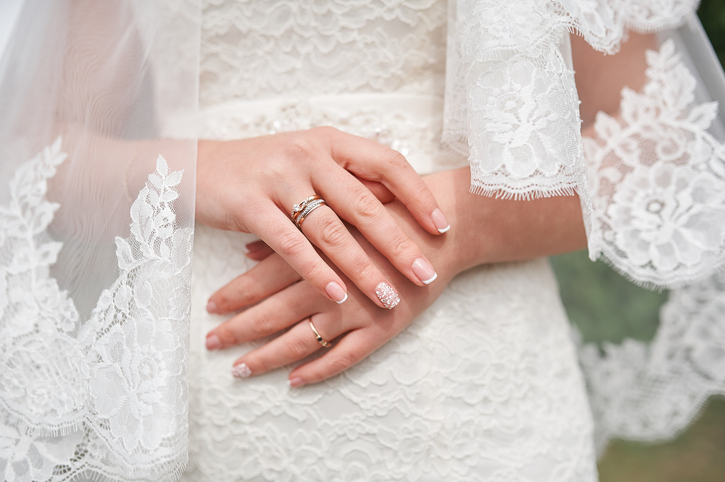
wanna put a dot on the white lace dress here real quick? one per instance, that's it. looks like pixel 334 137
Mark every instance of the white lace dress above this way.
pixel 483 386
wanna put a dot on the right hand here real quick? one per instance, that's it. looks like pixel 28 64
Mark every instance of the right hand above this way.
pixel 251 185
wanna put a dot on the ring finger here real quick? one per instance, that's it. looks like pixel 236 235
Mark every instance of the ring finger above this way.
pixel 326 231
pixel 294 345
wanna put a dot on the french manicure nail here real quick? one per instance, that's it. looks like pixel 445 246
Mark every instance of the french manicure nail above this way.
pixel 213 342
pixel 241 371
pixel 296 382
pixel 211 307
pixel 424 271
pixel 440 221
pixel 336 292
pixel 387 295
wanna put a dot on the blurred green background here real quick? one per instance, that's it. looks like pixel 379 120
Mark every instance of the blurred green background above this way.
pixel 605 307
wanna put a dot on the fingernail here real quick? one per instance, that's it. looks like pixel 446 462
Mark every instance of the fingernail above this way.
pixel 387 295
pixel 424 271
pixel 211 307
pixel 296 382
pixel 241 371
pixel 213 342
pixel 336 292
pixel 440 221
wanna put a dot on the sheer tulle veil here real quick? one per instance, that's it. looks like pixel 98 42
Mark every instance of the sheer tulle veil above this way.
pixel 96 218
pixel 97 206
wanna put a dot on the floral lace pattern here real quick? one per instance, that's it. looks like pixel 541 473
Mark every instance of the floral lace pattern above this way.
pixel 254 49
pixel 499 398
pixel 652 391
pixel 519 49
pixel 114 386
pixel 657 180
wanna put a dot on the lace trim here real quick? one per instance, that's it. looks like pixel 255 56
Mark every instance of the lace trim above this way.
pixel 653 391
pixel 657 180
pixel 533 129
pixel 108 397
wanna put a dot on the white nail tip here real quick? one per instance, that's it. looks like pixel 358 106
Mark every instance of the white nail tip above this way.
pixel 444 230
pixel 342 300
pixel 429 281
pixel 241 371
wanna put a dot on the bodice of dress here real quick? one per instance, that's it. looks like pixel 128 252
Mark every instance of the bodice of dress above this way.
pixel 252 49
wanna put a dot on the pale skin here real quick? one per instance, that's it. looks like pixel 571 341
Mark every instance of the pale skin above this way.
pixel 252 185
pixel 505 231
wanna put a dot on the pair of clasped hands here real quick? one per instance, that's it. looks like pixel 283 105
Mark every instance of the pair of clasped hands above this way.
pixel 381 230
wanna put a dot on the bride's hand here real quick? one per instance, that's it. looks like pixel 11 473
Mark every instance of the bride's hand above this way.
pixel 355 328
pixel 499 230
pixel 251 185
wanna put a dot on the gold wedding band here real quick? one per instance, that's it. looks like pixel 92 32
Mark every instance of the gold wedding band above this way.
pixel 302 210
pixel 320 340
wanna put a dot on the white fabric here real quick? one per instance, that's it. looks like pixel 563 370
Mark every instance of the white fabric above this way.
pixel 97 218
pixel 484 385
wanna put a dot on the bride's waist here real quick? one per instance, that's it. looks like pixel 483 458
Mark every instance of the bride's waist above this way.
pixel 411 124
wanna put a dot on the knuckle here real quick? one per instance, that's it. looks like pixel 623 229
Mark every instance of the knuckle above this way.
pixel 395 160
pixel 341 362
pixel 262 324
pixel 226 335
pixel 291 245
pixel 363 269
pixel 400 247
pixel 296 349
pixel 366 205
pixel 333 233
pixel 300 147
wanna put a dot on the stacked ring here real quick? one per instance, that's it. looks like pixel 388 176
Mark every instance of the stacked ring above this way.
pixel 302 210
pixel 320 340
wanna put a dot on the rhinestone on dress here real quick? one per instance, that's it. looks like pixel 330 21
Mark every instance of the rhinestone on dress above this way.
pixel 387 295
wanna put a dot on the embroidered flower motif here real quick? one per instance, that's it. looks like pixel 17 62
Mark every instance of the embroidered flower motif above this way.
pixel 657 180
pixel 668 215
pixel 127 386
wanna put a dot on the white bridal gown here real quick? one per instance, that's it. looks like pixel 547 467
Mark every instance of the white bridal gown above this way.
pixel 97 161
pixel 483 386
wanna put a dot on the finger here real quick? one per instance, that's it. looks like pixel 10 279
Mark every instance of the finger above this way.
pixel 268 277
pixel 267 318
pixel 379 191
pixel 354 203
pixel 327 232
pixel 390 168
pixel 348 351
pixel 280 234
pixel 258 250
pixel 295 345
